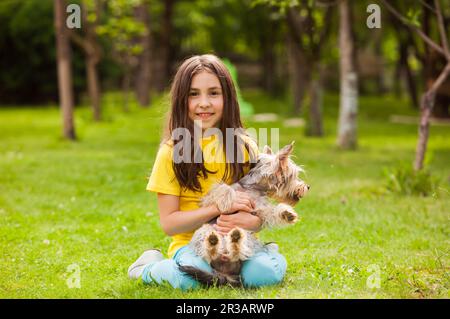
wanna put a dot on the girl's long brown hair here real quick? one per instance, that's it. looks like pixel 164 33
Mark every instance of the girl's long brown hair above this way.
pixel 188 174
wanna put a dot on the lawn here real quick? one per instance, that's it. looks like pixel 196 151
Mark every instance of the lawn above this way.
pixel 69 208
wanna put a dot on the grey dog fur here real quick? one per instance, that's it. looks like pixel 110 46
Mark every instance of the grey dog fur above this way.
pixel 274 176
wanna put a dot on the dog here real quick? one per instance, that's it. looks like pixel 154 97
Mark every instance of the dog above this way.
pixel 274 176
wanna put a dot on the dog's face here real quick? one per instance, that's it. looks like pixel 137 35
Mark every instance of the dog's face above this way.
pixel 279 175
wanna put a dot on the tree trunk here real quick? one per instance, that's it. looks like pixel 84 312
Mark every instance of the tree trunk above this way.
pixel 404 73
pixel 315 111
pixel 409 76
pixel 410 83
pixel 381 88
pixel 269 80
pixel 64 64
pixel 269 69
pixel 429 56
pixel 347 137
pixel 93 87
pixel 92 52
pixel 143 76
pixel 427 103
pixel 300 74
pixel 432 86
pixel 397 87
pixel 426 106
pixel 166 48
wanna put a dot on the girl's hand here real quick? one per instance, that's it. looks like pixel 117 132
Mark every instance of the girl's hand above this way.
pixel 241 219
pixel 242 202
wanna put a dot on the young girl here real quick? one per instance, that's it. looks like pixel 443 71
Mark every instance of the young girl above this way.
pixel 202 93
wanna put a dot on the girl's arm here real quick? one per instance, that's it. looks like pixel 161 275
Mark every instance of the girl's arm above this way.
pixel 173 221
pixel 241 219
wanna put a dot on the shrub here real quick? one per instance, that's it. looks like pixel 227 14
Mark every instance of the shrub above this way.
pixel 404 180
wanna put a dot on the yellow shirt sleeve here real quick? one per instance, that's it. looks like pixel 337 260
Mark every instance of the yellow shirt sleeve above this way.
pixel 162 178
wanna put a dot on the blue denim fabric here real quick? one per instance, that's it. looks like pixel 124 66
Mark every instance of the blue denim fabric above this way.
pixel 266 267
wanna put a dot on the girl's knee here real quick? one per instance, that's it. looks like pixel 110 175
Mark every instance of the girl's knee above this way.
pixel 166 271
pixel 264 269
pixel 189 258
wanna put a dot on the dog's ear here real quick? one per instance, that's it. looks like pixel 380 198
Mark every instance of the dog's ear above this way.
pixel 267 150
pixel 283 155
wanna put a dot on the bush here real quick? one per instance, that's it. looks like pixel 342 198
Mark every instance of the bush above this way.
pixel 404 180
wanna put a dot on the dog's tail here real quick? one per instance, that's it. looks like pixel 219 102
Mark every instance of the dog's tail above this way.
pixel 210 279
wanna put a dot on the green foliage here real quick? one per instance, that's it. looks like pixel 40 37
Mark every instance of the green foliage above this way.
pixel 246 31
pixel 404 180
pixel 281 5
pixel 28 55
pixel 121 27
pixel 27 58
pixel 390 49
pixel 413 16
pixel 224 27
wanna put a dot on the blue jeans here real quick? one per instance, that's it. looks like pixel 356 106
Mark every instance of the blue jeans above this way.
pixel 266 267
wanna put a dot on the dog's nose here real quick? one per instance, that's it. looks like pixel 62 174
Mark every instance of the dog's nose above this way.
pixel 307 186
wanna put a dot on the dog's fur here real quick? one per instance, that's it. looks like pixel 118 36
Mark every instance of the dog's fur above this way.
pixel 274 176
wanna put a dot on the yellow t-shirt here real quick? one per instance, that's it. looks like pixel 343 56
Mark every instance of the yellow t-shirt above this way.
pixel 163 180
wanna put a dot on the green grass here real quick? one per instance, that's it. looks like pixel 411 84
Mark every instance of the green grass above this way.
pixel 84 203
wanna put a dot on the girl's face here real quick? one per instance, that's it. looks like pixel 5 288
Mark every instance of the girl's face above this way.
pixel 205 99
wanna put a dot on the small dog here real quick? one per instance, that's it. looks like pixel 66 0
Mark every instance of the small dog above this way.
pixel 274 176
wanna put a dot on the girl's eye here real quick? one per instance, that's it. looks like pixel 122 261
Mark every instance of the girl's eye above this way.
pixel 193 94
pixel 215 93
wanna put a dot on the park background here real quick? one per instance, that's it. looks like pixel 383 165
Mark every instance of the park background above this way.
pixel 348 81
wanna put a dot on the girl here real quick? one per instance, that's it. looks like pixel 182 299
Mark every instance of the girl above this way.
pixel 202 95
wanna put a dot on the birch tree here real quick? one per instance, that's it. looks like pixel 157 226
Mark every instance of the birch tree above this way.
pixel 64 67
pixel 348 109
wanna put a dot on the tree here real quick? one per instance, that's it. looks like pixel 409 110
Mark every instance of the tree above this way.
pixel 91 11
pixel 64 65
pixel 166 46
pixel 403 69
pixel 428 97
pixel 143 76
pixel 308 29
pixel 347 138
pixel 164 37
pixel 122 29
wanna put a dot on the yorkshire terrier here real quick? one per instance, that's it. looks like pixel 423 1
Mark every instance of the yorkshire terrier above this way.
pixel 274 176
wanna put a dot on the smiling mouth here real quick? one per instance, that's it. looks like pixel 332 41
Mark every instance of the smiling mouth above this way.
pixel 204 115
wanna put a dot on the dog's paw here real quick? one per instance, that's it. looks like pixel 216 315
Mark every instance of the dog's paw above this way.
pixel 213 239
pixel 289 217
pixel 212 246
pixel 235 235
pixel 287 214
